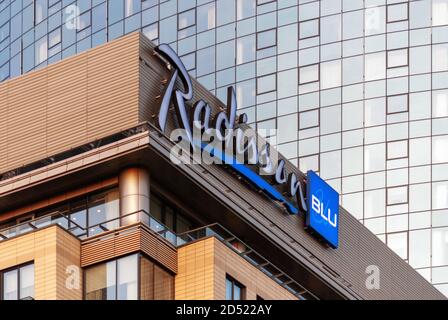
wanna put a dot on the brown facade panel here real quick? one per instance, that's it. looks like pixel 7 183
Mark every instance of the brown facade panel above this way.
pixel 204 266
pixel 70 103
pixel 131 239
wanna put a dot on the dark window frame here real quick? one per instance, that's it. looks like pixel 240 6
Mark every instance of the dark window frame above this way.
pixel 318 29
pixel 394 96
pixel 274 30
pixel 115 260
pixel 238 284
pixel 17 268
pixel 397 4
pixel 306 111
pixel 318 74
pixel 263 76
pixel 397 66
pixel 395 141
pixel 398 203
pixel 189 26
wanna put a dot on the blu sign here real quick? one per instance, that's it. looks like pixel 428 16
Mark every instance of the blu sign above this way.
pixel 323 209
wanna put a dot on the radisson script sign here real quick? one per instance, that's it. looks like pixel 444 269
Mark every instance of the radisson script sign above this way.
pixel 224 140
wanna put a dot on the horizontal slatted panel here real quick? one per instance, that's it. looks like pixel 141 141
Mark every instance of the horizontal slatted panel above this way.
pixel 67 109
pixel 159 251
pixel 113 88
pixel 70 103
pixel 127 241
pixel 27 99
pixel 3 129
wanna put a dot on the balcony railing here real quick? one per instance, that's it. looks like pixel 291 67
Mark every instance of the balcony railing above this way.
pixel 214 230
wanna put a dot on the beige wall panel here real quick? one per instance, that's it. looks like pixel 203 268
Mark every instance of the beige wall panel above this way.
pixel 53 250
pixel 202 270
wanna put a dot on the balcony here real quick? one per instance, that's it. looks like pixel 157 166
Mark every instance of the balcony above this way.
pixel 128 223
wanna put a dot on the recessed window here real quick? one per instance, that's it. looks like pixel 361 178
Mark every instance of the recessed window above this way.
pixel 266 39
pixel 266 84
pixel 18 283
pixel 397 149
pixel 54 37
pixel 397 58
pixel 397 195
pixel 114 280
pixel 309 74
pixel 308 119
pixel 187 19
pixel 397 12
pixel 308 29
pixel 234 289
pixel 398 103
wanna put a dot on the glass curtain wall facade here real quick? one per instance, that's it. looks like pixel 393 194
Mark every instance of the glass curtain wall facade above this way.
pixel 357 89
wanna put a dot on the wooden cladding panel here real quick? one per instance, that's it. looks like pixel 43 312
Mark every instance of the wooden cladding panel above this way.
pixel 159 250
pixel 128 241
pixel 3 129
pixel 67 108
pixel 70 103
pixel 113 87
pixel 27 100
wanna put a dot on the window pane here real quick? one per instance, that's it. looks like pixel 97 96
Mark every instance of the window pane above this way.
pixel 104 207
pixel 420 248
pixel 41 10
pixel 440 103
pixel 10 285
pixel 440 57
pixel 309 74
pixel 187 19
pixel 330 74
pixel 375 66
pixel 308 119
pixel 245 49
pixel 309 29
pixel 27 282
pixel 439 12
pixel 397 195
pixel 41 50
pixel 398 242
pixel 100 282
pixel 229 287
pixel 127 279
pixel 266 84
pixel 397 12
pixel 440 246
pixel 236 292
pixel 397 104
pixel 397 58
pixel 206 17
pixel 132 7
pixel 266 39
